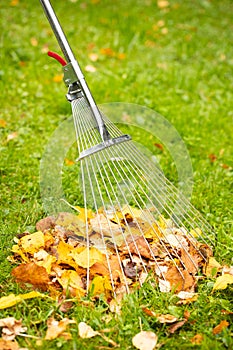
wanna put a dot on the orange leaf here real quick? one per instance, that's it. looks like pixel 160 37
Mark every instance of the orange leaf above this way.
pixel 32 274
pixel 176 326
pixel 218 329
pixel 107 52
pixel 2 123
pixel 69 162
pixel 14 2
pixel 197 339
pixel 9 345
pixel 212 157
pixel 58 78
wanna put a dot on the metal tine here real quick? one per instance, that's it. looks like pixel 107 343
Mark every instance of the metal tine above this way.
pixel 96 208
pixel 169 185
pixel 142 232
pixel 187 253
pixel 164 207
pixel 126 223
pixel 112 205
pixel 116 132
pixel 85 161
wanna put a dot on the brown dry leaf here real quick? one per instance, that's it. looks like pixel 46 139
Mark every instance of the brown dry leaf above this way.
pixel 167 318
pixel 148 312
pixel 176 326
pixel 58 328
pixel 197 339
pixel 218 329
pixel 86 331
pixel 12 299
pixel 190 260
pixel 223 281
pixel 11 328
pixel 9 345
pixel 32 243
pixel 32 274
pixel 212 267
pixel 179 282
pixel 145 340
pixel 138 245
pixel 45 223
pixel 12 136
pixel 102 268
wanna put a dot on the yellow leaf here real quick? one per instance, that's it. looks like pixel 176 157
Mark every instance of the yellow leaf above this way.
pixel 33 242
pixel 70 278
pixel 223 281
pixel 162 4
pixel 212 267
pixel 58 78
pixel 71 222
pixel 64 254
pixel 88 257
pixel 16 249
pixel 84 213
pixel 93 57
pixel 44 259
pixel 12 299
pixel 2 123
pixel 145 340
pixel 100 285
pixel 34 41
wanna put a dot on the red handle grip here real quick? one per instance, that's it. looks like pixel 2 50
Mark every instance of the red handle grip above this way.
pixel 57 57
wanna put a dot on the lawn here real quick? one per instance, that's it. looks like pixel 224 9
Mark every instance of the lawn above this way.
pixel 174 57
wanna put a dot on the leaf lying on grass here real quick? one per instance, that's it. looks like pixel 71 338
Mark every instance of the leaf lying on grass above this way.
pixel 12 299
pixel 11 328
pixel 85 331
pixel 145 340
pixel 223 281
pixel 58 328
pixel 218 329
pixel 10 345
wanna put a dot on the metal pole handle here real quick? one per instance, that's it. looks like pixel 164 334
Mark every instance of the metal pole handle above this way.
pixel 57 29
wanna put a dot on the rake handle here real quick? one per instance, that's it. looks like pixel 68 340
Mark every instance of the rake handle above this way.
pixel 57 29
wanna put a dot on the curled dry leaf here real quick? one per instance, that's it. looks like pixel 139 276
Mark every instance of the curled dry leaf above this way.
pixel 167 318
pixel 11 328
pixel 58 328
pixel 145 340
pixel 176 326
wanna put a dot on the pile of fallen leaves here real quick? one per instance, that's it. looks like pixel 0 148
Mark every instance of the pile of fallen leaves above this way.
pixel 119 253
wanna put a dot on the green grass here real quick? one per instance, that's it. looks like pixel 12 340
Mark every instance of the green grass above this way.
pixel 185 75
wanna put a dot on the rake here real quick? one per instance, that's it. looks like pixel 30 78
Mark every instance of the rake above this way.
pixel 133 215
